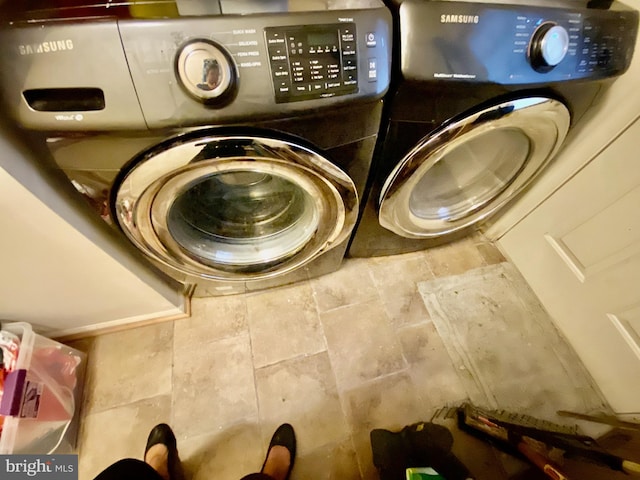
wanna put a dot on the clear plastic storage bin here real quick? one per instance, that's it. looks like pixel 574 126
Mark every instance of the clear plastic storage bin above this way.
pixel 45 392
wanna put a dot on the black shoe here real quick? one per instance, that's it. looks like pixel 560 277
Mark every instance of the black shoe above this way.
pixel 285 437
pixel 162 434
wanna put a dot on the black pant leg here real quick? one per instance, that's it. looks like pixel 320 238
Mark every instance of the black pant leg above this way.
pixel 129 469
pixel 257 476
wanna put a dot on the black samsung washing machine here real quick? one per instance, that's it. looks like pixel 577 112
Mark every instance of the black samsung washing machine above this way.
pixel 229 141
pixel 483 97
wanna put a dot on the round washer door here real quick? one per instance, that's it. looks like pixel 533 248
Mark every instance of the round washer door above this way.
pixel 234 207
pixel 472 167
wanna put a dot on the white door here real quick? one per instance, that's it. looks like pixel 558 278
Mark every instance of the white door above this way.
pixel 580 251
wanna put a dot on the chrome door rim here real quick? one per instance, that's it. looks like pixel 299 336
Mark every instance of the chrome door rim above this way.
pixel 146 192
pixel 543 120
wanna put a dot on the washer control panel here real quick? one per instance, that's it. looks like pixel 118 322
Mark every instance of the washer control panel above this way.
pixel 313 61
pixel 194 70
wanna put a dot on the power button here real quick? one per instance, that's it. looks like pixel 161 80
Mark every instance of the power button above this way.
pixel 371 39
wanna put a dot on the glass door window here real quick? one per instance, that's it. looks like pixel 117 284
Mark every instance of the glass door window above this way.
pixel 471 175
pixel 243 219
pixel 468 170
pixel 235 207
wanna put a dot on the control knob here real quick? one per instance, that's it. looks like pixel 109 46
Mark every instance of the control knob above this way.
pixel 548 46
pixel 206 71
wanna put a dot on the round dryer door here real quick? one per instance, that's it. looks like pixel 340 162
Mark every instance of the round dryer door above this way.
pixel 234 207
pixel 472 167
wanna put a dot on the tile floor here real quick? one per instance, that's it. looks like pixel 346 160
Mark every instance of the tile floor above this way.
pixel 335 356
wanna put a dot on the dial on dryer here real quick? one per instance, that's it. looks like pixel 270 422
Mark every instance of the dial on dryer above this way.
pixel 205 71
pixel 548 46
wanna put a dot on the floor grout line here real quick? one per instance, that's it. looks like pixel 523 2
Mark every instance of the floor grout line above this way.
pixel 369 387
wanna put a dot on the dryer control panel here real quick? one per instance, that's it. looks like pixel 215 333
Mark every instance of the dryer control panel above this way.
pixel 513 44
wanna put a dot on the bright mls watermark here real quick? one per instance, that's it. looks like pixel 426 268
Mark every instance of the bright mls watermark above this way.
pixel 49 467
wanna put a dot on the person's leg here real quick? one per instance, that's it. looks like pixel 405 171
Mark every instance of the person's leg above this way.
pixel 158 457
pixel 276 465
pixel 161 460
pixel 278 462
pixel 280 456
pixel 129 469
pixel 161 452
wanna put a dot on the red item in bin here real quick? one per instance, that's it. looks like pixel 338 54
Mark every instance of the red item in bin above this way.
pixel 45 403
pixel 13 386
pixel 46 391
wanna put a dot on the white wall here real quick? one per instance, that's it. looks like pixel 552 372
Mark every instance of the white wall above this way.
pixel 62 270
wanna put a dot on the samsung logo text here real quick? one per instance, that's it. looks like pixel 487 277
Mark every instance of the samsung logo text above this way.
pixel 46 47
pixel 459 18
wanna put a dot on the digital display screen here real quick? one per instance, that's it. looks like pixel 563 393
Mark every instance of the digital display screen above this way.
pixel 322 38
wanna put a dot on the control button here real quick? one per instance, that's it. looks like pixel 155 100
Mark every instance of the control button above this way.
pixel 280 69
pixel 349 64
pixel 283 87
pixel 373 70
pixel 275 38
pixel 318 87
pixel 277 55
pixel 348 50
pixel 346 34
pixel 371 39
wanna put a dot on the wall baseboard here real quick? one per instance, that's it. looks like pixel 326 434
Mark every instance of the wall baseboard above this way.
pixel 72 334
